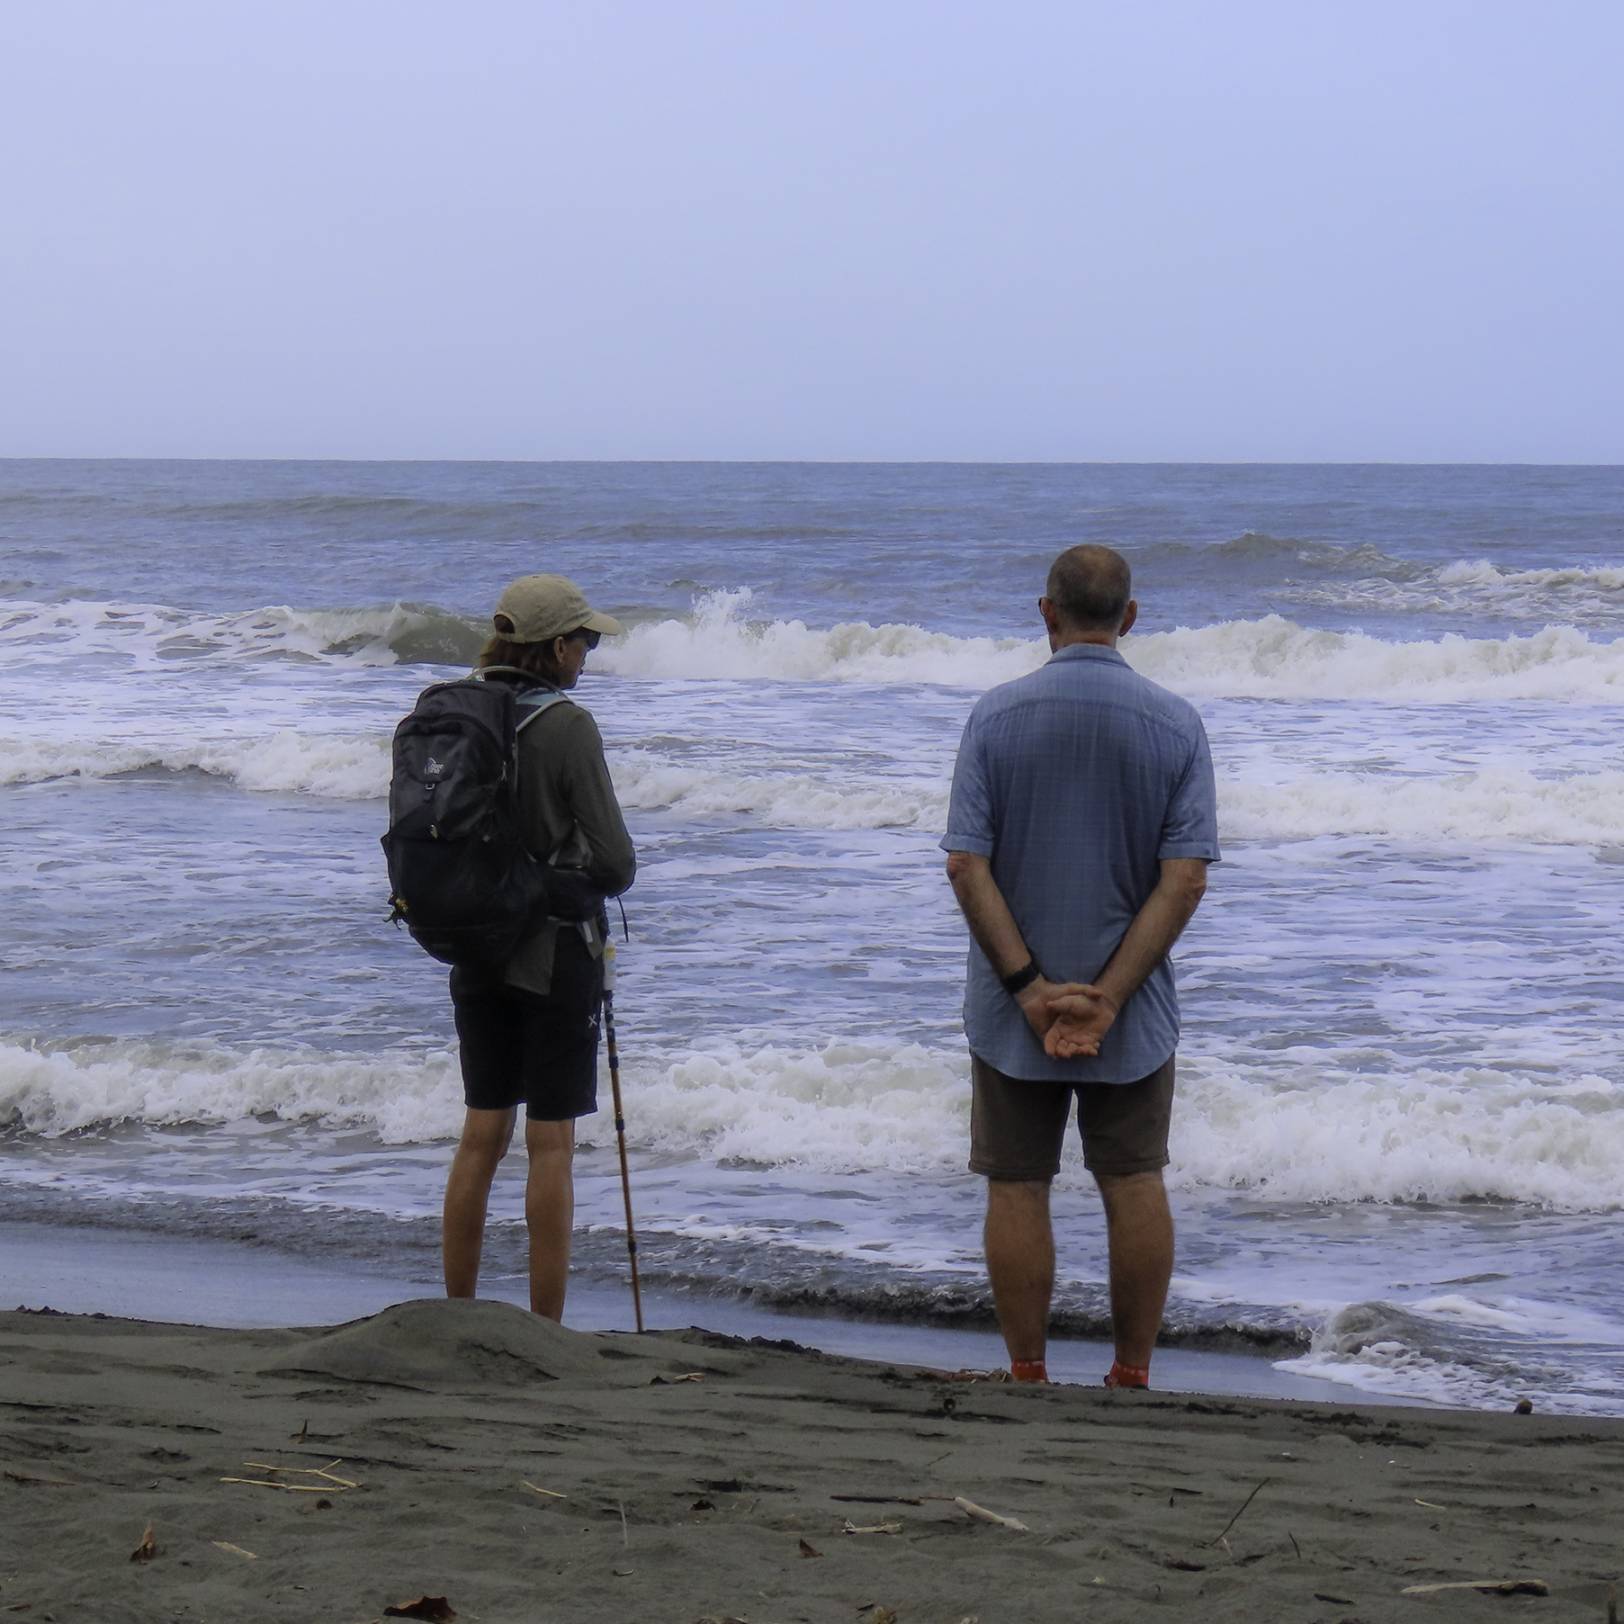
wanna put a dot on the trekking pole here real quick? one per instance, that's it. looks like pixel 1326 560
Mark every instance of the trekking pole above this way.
pixel 620 1119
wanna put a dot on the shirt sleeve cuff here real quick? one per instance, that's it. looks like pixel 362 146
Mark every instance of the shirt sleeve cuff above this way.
pixel 1201 849
pixel 976 845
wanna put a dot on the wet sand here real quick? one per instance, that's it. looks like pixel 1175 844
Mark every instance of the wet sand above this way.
pixel 527 1472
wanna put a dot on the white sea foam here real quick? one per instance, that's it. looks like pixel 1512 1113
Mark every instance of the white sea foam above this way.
pixel 1472 1352
pixel 1391 1367
pixel 1270 658
pixel 1274 658
pixel 1500 805
pixel 1306 1130
pixel 1295 1131
pixel 155 636
pixel 1266 658
pixel 792 800
pixel 1479 572
pixel 284 762
pixel 1588 595
pixel 719 641
pixel 62 1089
pixel 1503 805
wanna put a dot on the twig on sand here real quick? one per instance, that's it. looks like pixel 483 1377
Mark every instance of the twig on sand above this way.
pixel 1432 1505
pixel 874 1528
pixel 981 1514
pixel 879 1499
pixel 1244 1504
pixel 1495 1587
pixel 625 1533
pixel 551 1494
pixel 287 1488
pixel 325 1472
pixel 236 1550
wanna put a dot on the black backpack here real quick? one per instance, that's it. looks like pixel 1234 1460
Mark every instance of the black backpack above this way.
pixel 463 882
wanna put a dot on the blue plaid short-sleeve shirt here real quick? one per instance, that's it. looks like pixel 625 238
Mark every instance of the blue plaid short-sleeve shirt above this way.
pixel 1076 782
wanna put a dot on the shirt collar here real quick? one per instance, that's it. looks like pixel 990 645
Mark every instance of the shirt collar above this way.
pixel 1086 651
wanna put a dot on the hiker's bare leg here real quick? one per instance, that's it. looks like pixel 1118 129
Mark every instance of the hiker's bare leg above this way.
pixel 485 1139
pixel 1139 1229
pixel 549 1212
pixel 1019 1241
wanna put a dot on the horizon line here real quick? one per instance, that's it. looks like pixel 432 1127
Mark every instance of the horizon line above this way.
pixel 845 462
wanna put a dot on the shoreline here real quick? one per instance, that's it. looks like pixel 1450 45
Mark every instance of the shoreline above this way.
pixel 209 1283
pixel 522 1470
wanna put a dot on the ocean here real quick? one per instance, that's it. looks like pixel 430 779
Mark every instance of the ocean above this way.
pixel 1398 1152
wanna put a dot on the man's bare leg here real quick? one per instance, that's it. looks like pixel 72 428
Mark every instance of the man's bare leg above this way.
pixel 549 1212
pixel 1139 1230
pixel 1019 1241
pixel 485 1139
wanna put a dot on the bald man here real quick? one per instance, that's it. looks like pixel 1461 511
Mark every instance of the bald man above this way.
pixel 1082 821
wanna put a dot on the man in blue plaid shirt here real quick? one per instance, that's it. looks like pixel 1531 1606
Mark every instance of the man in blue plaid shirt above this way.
pixel 1082 821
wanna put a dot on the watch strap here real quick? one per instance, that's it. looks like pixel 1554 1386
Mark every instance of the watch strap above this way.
pixel 1019 980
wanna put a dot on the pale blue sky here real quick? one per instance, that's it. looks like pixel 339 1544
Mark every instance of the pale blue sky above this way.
pixel 886 229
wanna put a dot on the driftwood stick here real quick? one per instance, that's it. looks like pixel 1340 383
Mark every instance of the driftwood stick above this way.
pixel 884 1499
pixel 981 1514
pixel 324 1472
pixel 1244 1504
pixel 551 1494
pixel 1496 1587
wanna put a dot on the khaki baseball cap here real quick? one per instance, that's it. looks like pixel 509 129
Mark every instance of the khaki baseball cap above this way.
pixel 545 606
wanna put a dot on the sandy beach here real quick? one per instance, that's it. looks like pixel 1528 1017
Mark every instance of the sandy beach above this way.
pixel 523 1471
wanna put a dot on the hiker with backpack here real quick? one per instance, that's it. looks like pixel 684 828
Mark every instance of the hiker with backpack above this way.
pixel 505 838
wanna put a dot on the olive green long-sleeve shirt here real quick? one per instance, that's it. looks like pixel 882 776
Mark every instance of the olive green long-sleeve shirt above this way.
pixel 571 817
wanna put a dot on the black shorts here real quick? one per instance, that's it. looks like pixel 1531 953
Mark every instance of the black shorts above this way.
pixel 540 1049
pixel 1017 1128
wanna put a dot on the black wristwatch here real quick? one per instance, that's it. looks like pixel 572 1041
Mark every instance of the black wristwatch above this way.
pixel 1020 980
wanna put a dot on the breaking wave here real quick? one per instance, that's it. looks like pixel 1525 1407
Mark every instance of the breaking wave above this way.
pixel 1609 579
pixel 152 636
pixel 344 768
pixel 1507 805
pixel 1257 552
pixel 719 641
pixel 1269 658
pixel 1305 1133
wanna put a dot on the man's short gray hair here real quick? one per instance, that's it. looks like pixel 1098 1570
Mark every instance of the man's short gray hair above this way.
pixel 1090 587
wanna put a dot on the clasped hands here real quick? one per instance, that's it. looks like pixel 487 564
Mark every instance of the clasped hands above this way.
pixel 1070 1019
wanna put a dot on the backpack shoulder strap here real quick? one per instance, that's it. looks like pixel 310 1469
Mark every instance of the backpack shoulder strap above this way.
pixel 529 704
pixel 531 708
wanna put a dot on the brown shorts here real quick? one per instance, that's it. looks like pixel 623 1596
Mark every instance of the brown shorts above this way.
pixel 1017 1127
